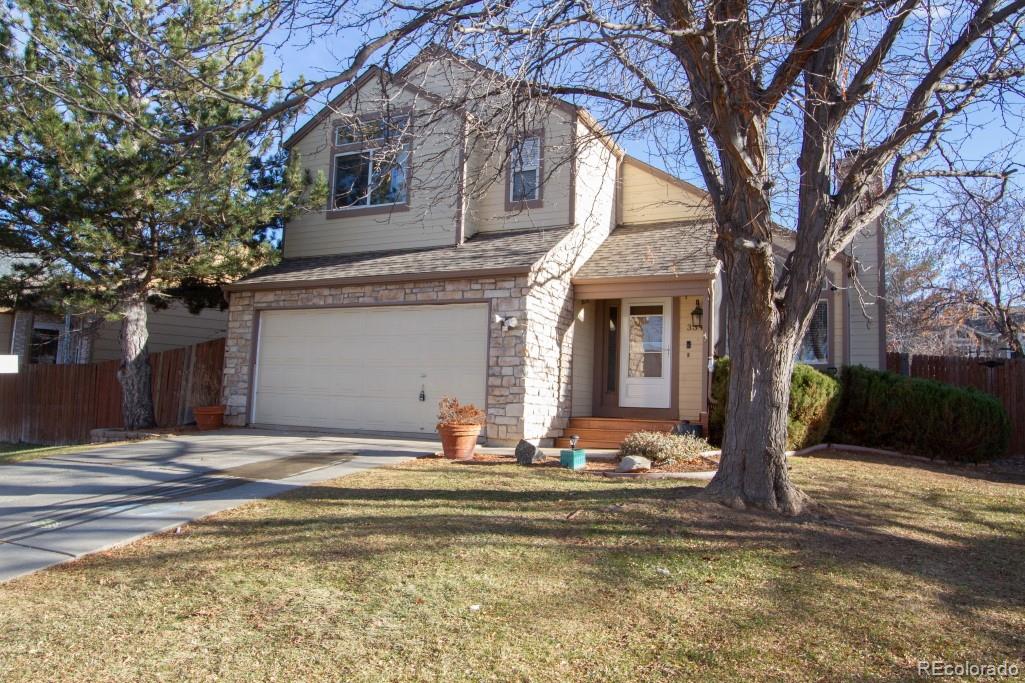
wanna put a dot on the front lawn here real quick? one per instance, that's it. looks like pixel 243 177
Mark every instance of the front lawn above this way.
pixel 20 452
pixel 441 571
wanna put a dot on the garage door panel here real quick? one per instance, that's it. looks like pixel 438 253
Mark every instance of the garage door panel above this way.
pixel 364 368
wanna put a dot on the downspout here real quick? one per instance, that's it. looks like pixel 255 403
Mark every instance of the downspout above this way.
pixel 461 184
pixel 706 377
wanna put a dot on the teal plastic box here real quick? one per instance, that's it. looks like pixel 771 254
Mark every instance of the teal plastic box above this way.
pixel 573 459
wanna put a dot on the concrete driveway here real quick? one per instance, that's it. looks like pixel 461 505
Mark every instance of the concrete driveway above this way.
pixel 54 510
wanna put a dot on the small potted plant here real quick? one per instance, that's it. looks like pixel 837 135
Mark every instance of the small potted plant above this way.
pixel 459 426
pixel 208 417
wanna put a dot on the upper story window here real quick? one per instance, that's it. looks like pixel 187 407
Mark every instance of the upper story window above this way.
pixel 525 169
pixel 370 165
pixel 373 177
pixel 372 131
pixel 814 348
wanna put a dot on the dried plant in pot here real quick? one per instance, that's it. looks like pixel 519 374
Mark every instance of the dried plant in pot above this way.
pixel 459 426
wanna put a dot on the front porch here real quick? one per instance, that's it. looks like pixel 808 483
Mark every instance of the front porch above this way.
pixel 646 329
pixel 640 363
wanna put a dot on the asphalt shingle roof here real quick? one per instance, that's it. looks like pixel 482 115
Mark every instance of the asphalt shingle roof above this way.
pixel 657 250
pixel 506 251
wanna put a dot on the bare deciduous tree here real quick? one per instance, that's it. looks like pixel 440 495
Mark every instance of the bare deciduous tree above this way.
pixel 983 233
pixel 918 315
pixel 816 114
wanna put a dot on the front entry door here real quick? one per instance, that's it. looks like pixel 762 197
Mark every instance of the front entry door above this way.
pixel 646 353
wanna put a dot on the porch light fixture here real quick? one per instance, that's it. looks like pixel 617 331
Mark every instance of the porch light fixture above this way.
pixel 696 315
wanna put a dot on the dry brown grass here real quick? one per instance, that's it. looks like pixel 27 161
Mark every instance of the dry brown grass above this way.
pixel 373 577
pixel 11 453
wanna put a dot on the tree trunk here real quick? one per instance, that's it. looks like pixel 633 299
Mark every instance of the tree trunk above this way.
pixel 134 371
pixel 752 469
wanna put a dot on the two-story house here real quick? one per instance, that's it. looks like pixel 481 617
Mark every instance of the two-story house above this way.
pixel 519 260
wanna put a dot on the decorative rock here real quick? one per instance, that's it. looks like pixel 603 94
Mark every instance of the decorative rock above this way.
pixel 528 453
pixel 634 463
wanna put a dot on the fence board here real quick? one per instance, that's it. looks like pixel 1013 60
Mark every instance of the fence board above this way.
pixel 1002 378
pixel 60 404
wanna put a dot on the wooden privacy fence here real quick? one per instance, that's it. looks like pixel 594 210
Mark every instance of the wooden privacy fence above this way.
pixel 59 404
pixel 1004 379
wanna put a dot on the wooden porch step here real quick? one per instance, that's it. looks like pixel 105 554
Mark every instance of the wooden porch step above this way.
pixel 608 432
pixel 620 424
pixel 616 435
pixel 562 442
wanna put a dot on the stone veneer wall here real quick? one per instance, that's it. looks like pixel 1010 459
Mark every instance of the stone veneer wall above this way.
pixel 550 327
pixel 507 356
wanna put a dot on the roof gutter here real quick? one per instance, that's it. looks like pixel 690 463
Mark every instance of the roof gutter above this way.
pixel 258 286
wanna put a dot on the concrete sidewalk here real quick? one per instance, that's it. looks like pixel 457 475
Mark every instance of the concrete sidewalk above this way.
pixel 54 510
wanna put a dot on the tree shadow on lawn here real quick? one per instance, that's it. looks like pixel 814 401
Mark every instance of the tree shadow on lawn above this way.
pixel 977 473
pixel 615 533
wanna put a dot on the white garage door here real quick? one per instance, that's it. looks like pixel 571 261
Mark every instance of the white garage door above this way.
pixel 365 368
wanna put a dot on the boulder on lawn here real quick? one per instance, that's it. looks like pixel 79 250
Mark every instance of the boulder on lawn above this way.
pixel 634 463
pixel 528 453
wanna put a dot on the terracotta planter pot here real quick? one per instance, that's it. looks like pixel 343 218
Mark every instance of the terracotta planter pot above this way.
pixel 209 417
pixel 459 441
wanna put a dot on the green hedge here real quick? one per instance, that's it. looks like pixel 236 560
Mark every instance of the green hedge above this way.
pixel 814 397
pixel 937 420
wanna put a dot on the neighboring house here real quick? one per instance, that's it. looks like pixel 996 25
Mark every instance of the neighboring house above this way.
pixel 40 337
pixel 581 284
pixel 6 329
pixel 978 337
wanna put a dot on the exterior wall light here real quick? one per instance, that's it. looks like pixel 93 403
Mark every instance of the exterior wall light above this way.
pixel 509 323
pixel 696 315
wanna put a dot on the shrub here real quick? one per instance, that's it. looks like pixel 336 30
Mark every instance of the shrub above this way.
pixel 663 448
pixel 719 392
pixel 925 417
pixel 814 397
pixel 451 412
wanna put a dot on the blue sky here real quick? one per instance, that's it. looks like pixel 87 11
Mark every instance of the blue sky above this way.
pixel 322 57
pixel 989 130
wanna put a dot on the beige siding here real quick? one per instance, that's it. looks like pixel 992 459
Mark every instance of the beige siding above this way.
pixel 430 219
pixel 693 363
pixel 594 208
pixel 456 83
pixel 865 340
pixel 836 308
pixel 717 331
pixel 836 300
pixel 488 184
pixel 6 330
pixel 649 197
pixel 168 329
pixel 583 360
pixel 596 174
pixel 487 179
pixel 476 161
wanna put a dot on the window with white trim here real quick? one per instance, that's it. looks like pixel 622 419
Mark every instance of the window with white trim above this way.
pixel 525 170
pixel 814 348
